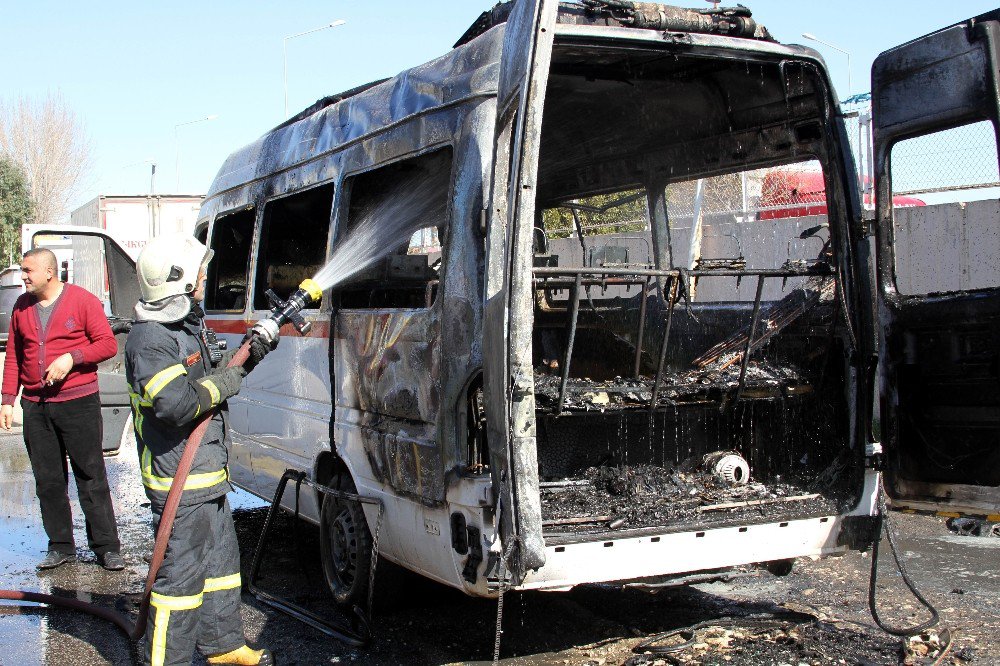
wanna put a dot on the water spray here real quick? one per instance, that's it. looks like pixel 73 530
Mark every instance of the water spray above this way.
pixel 411 207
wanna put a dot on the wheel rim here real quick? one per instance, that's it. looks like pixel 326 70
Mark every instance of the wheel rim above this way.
pixel 344 547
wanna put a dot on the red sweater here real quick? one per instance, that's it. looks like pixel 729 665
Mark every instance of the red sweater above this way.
pixel 77 325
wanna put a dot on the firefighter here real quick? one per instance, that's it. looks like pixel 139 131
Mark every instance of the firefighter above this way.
pixel 195 602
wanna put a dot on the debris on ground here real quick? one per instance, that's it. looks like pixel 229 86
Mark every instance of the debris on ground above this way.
pixel 926 647
pixel 750 640
pixel 979 527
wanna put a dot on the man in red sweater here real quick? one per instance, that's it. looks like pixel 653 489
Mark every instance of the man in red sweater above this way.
pixel 58 335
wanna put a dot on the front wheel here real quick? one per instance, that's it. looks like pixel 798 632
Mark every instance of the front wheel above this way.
pixel 345 546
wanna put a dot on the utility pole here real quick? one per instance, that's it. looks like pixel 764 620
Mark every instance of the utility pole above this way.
pixel 284 53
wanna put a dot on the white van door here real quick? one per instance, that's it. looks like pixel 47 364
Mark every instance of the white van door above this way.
pixel 939 275
pixel 96 262
pixel 507 372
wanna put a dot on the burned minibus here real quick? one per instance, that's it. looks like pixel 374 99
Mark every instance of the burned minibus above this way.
pixel 597 356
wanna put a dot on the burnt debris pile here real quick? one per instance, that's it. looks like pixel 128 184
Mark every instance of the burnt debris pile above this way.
pixel 764 379
pixel 633 497
pixel 774 640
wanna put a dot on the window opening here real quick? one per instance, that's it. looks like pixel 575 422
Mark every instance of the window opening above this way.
pixel 945 188
pixel 232 238
pixel 408 201
pixel 293 242
pixel 86 266
pixel 768 218
pixel 601 231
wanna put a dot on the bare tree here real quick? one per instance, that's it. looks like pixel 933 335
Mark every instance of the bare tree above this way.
pixel 46 139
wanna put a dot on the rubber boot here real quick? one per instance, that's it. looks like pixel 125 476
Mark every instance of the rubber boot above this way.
pixel 243 656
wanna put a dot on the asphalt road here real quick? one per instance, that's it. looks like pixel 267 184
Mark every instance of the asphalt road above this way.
pixel 419 622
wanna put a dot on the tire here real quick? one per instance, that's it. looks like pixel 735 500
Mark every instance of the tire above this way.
pixel 345 546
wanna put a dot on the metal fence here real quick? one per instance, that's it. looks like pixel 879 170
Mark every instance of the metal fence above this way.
pixel 955 160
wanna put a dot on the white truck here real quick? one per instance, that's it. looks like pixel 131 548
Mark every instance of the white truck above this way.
pixel 131 220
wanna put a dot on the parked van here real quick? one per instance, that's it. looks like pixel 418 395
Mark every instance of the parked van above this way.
pixel 8 294
pixel 595 361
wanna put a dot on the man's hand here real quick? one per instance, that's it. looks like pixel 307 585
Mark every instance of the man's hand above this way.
pixel 58 369
pixel 259 348
pixel 6 416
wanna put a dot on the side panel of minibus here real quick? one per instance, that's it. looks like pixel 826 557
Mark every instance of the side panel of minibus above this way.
pixel 400 450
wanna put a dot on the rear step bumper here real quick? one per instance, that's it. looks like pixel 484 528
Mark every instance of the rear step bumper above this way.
pixel 684 552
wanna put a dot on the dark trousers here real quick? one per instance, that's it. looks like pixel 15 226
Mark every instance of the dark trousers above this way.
pixel 53 430
pixel 196 596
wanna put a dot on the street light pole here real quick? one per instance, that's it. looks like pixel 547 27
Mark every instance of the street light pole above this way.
pixel 284 54
pixel 850 85
pixel 177 148
pixel 152 173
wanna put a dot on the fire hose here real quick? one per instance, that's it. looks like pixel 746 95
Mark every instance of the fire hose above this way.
pixel 287 311
pixel 884 524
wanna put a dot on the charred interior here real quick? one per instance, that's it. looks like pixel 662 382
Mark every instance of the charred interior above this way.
pixel 689 342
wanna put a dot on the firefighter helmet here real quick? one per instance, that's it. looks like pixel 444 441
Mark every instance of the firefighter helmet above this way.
pixel 169 266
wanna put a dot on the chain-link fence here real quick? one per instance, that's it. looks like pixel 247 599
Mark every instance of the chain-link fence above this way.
pixel 953 160
pixel 776 216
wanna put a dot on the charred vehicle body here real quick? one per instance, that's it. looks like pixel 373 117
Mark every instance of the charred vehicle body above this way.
pixel 598 357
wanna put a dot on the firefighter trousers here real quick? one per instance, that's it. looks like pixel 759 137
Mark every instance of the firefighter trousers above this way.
pixel 195 604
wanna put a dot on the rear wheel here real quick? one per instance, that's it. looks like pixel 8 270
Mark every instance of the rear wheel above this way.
pixel 345 546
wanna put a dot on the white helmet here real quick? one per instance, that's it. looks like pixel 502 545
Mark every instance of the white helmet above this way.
pixel 169 266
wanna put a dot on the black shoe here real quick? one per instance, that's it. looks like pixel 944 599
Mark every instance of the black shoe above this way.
pixel 54 558
pixel 112 561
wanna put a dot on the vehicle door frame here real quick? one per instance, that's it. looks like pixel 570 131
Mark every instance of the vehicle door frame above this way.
pixel 116 406
pixel 925 86
pixel 230 325
pixel 507 321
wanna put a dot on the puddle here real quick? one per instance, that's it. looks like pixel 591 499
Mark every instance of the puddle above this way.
pixel 23 541
pixel 16 627
pixel 971 541
pixel 30 635
pixel 22 536
pixel 240 499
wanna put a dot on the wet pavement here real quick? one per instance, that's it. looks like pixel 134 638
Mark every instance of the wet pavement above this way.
pixel 33 635
pixel 418 622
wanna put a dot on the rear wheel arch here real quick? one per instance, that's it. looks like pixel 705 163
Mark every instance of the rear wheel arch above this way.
pixel 328 467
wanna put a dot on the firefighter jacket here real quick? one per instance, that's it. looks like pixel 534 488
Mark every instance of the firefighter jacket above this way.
pixel 167 368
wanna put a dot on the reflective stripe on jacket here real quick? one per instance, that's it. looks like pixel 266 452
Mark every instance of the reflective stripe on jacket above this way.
pixel 166 366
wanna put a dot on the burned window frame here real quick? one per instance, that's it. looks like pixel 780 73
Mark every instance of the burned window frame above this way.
pixel 211 285
pixel 261 245
pixel 916 287
pixel 343 220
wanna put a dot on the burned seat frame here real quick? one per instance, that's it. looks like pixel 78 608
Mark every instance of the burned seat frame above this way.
pixel 674 281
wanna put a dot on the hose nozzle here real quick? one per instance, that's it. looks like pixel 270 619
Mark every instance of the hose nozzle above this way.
pixel 312 288
pixel 289 311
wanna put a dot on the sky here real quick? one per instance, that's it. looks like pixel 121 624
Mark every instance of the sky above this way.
pixel 142 76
